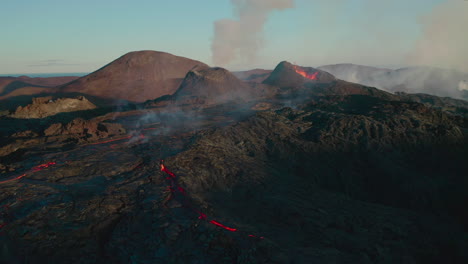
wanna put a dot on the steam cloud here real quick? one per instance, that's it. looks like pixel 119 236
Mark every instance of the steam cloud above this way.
pixel 243 37
pixel 444 38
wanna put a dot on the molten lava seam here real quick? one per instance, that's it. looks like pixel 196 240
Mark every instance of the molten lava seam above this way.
pixel 34 169
pixel 13 179
pixel 43 166
pixel 47 165
pixel 201 215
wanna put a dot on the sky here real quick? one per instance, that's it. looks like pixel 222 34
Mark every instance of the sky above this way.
pixel 54 36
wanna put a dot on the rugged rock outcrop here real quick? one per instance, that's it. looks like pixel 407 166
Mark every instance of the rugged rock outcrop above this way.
pixel 77 131
pixel 47 106
pixel 86 129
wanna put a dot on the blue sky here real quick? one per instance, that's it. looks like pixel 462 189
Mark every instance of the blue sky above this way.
pixel 81 36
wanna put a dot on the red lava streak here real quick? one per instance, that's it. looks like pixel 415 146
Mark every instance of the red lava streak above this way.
pixel 201 215
pixel 304 74
pixel 111 140
pixel 13 179
pixel 34 169
pixel 223 226
pixel 43 166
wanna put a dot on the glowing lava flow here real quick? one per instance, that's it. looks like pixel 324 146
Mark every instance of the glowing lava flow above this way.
pixel 13 179
pixel 304 74
pixel 172 178
pixel 43 166
pixel 34 169
pixel 223 226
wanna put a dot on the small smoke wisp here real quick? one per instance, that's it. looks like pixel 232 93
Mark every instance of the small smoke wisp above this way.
pixel 463 86
pixel 242 38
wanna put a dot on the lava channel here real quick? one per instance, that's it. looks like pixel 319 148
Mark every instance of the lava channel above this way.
pixel 177 188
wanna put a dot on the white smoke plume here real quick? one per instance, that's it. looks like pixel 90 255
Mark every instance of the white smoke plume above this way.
pixel 463 86
pixel 242 38
pixel 444 39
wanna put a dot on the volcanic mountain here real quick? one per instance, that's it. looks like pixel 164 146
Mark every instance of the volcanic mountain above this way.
pixel 303 82
pixel 216 85
pixel 136 76
pixel 289 75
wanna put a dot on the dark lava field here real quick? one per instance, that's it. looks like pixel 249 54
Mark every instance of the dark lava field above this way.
pixel 298 168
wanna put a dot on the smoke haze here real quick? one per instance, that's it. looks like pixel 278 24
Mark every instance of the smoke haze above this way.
pixel 444 39
pixel 242 38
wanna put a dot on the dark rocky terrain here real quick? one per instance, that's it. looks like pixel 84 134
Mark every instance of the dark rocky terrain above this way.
pixel 302 168
pixel 448 104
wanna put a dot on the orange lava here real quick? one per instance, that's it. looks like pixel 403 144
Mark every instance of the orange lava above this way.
pixel 304 74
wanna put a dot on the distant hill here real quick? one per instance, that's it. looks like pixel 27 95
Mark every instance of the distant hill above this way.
pixel 136 76
pixel 24 85
pixel 48 81
pixel 255 75
pixel 430 80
